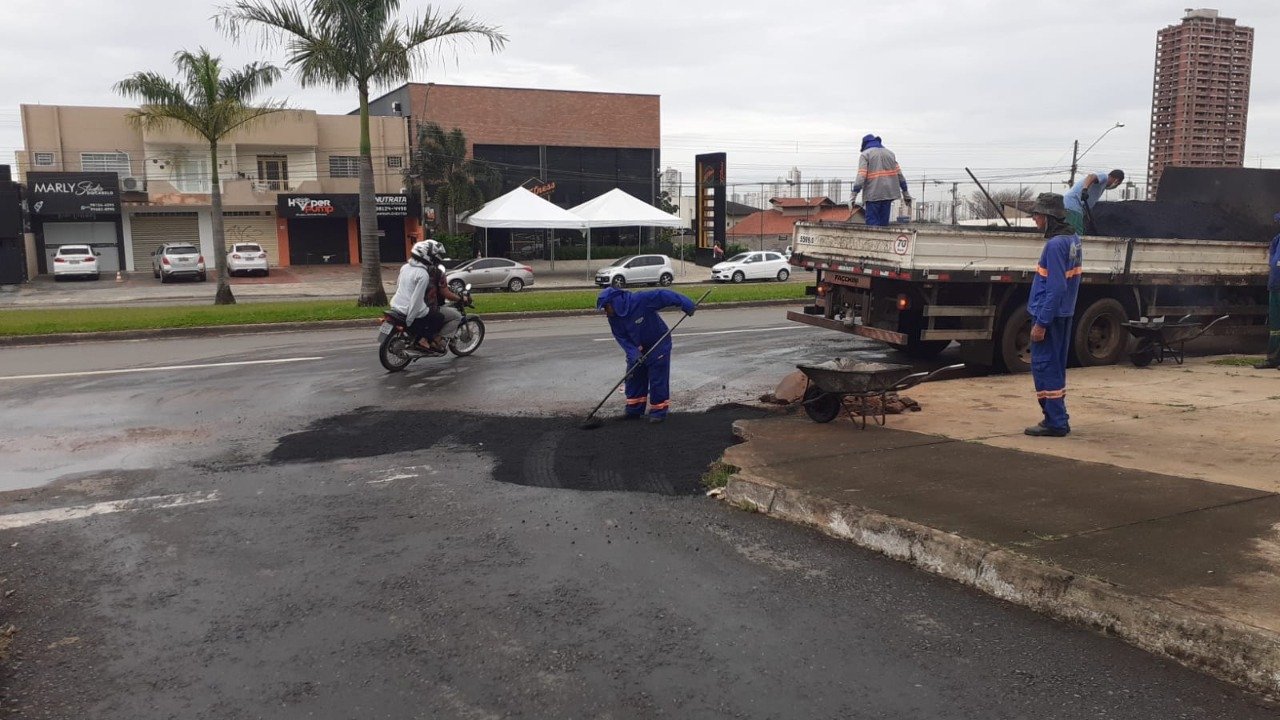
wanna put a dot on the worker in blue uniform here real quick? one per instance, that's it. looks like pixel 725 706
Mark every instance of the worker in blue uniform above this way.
pixel 1052 304
pixel 638 328
pixel 1273 312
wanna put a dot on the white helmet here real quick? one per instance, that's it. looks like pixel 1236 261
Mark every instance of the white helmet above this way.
pixel 425 250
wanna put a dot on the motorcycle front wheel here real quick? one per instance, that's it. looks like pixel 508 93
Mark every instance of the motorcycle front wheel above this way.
pixel 393 352
pixel 468 338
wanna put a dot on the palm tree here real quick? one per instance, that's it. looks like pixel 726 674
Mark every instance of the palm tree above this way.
pixel 360 43
pixel 457 183
pixel 209 104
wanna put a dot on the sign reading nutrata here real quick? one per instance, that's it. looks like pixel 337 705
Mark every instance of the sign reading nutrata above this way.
pixel 78 194
pixel 338 205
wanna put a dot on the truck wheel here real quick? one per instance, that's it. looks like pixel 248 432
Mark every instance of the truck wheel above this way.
pixel 1015 341
pixel 1099 337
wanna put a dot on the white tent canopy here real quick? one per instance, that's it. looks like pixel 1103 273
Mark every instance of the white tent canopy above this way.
pixel 618 208
pixel 521 209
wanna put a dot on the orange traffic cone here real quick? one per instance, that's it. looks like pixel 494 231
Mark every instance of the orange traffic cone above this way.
pixel 119 276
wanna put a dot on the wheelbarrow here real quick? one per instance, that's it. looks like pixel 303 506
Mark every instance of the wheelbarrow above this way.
pixel 1158 339
pixel 830 384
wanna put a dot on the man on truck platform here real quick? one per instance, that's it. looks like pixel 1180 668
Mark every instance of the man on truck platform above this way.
pixel 1089 190
pixel 1273 309
pixel 1052 305
pixel 880 180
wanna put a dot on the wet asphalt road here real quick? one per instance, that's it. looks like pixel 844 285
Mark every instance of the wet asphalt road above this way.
pixel 342 543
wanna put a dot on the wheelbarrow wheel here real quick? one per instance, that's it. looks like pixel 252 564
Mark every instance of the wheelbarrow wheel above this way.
pixel 1143 353
pixel 821 407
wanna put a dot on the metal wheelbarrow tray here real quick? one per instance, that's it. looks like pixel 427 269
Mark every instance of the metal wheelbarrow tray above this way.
pixel 1158 339
pixel 833 382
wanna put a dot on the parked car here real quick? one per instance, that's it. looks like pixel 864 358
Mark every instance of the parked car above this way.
pixel 75 261
pixel 490 273
pixel 637 270
pixel 752 266
pixel 172 260
pixel 247 258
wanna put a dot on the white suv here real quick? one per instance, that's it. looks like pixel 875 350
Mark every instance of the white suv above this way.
pixel 172 260
pixel 637 270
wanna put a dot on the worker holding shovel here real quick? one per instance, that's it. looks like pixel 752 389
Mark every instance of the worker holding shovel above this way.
pixel 643 336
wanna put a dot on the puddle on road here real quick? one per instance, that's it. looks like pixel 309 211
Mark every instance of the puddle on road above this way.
pixel 634 456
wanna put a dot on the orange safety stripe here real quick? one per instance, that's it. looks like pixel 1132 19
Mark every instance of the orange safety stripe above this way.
pixel 1073 272
pixel 660 406
pixel 635 401
pixel 882 173
pixel 1051 394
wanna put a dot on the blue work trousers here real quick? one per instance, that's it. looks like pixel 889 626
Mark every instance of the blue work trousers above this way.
pixel 877 212
pixel 650 385
pixel 1049 371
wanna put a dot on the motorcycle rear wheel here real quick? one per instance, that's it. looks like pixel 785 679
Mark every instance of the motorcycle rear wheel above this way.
pixel 392 353
pixel 468 338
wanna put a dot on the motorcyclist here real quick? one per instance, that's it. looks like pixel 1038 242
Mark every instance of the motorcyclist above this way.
pixel 442 319
pixel 420 283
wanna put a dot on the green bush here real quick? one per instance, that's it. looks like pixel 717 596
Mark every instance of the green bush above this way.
pixel 458 247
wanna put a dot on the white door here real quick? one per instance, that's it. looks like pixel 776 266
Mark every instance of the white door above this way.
pixel 100 235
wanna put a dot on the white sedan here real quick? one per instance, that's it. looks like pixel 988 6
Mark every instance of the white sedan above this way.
pixel 752 266
pixel 247 258
pixel 75 261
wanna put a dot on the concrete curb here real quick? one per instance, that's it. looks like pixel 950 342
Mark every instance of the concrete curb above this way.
pixel 1236 652
pixel 369 322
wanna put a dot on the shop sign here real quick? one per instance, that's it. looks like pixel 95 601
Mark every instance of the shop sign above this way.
pixel 77 194
pixel 392 205
pixel 318 206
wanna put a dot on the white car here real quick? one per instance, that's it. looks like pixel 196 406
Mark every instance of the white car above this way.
pixel 752 266
pixel 75 261
pixel 247 258
pixel 637 270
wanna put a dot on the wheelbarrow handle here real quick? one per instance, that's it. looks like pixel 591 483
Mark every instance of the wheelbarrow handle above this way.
pixel 922 377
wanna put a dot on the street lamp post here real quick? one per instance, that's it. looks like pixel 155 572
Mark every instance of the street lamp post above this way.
pixel 1077 156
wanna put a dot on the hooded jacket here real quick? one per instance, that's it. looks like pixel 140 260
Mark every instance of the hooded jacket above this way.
pixel 879 175
pixel 635 322
pixel 410 299
pixel 1057 282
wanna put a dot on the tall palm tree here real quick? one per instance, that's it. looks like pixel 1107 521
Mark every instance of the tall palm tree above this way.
pixel 361 44
pixel 456 182
pixel 210 104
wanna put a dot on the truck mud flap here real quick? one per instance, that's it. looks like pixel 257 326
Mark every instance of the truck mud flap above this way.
pixel 886 336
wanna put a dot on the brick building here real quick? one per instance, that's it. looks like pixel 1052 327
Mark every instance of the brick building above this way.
pixel 576 145
pixel 1200 96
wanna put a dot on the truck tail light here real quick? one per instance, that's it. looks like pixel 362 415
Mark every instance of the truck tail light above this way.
pixel 823 289
pixel 904 303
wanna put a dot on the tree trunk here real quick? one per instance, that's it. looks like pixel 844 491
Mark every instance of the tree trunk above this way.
pixel 223 296
pixel 372 294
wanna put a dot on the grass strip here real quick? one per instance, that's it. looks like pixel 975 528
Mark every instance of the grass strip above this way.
pixel 106 319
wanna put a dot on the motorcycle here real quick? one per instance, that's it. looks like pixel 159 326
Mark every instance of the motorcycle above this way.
pixel 397 348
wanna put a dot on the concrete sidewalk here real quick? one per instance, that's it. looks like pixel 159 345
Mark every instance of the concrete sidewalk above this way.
pixel 288 283
pixel 1157 520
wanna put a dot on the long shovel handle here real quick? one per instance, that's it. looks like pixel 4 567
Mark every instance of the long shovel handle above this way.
pixel 634 366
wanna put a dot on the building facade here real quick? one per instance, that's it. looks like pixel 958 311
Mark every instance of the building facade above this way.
pixel 289 183
pixel 1200 95
pixel 567 146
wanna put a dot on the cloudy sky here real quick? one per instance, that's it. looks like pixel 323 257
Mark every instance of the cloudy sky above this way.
pixel 1001 86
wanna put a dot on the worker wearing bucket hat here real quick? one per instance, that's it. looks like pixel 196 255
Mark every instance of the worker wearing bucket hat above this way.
pixel 1052 305
pixel 1273 313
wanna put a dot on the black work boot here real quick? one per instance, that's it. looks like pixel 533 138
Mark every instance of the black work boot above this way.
pixel 1267 364
pixel 1043 430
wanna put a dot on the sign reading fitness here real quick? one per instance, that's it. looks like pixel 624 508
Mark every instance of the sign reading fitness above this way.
pixel 333 205
pixel 73 194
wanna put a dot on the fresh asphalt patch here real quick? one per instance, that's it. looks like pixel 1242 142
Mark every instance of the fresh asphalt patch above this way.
pixel 667 458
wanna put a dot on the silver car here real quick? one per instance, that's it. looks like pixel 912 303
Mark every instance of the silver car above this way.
pixel 637 270
pixel 172 260
pixel 490 273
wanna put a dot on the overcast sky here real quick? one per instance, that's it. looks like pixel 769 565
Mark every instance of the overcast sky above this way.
pixel 1001 86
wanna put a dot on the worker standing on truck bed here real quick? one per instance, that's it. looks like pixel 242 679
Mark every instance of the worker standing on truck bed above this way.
pixel 1089 189
pixel 880 180
pixel 1273 309
pixel 1052 305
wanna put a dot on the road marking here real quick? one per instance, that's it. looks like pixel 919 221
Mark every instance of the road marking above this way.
pixel 125 371
pixel 154 502
pixel 717 332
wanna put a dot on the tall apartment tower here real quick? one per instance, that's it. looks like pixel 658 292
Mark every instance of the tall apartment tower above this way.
pixel 1200 96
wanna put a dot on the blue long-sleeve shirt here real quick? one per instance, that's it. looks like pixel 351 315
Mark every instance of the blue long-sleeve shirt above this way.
pixel 1273 261
pixel 635 322
pixel 1057 283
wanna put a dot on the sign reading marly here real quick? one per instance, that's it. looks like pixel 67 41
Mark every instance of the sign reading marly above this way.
pixel 74 194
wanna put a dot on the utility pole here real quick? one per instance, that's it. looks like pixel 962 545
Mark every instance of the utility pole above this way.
pixel 1075 163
